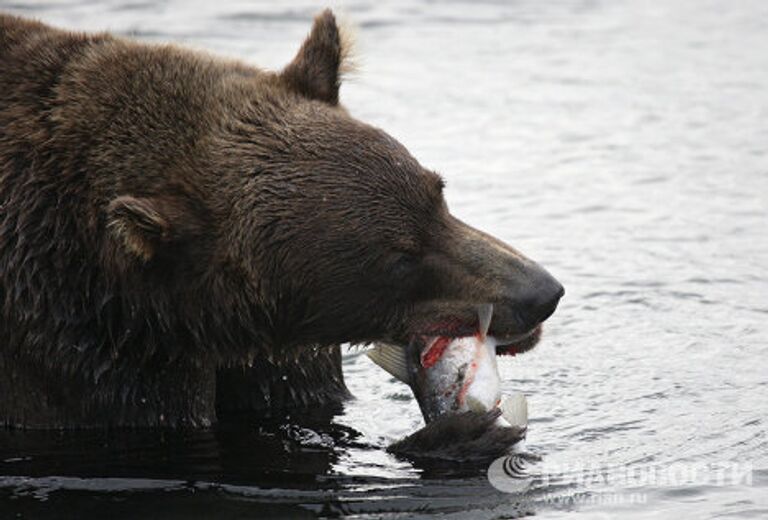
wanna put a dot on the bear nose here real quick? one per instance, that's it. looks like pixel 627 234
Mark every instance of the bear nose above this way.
pixel 540 301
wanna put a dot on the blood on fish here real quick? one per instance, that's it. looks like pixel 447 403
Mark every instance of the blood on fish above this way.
pixel 435 351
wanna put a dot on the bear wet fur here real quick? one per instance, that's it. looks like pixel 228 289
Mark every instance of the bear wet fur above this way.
pixel 112 237
pixel 183 237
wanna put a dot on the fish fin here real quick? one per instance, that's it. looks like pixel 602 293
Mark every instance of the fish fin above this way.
pixel 514 409
pixel 392 359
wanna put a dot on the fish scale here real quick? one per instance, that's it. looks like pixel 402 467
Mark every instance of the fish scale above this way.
pixel 452 375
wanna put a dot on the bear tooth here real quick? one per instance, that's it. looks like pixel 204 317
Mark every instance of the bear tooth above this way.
pixel 484 315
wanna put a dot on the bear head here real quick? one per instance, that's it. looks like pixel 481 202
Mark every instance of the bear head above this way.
pixel 310 227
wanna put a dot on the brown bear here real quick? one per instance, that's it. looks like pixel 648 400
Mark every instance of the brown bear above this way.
pixel 183 237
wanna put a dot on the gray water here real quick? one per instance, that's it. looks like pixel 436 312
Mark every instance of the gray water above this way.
pixel 621 144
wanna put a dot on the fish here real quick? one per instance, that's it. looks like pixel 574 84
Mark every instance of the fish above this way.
pixel 449 375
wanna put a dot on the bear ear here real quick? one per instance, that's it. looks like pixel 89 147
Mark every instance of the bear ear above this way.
pixel 316 70
pixel 139 224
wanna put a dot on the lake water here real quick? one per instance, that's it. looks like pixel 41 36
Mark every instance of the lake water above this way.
pixel 623 145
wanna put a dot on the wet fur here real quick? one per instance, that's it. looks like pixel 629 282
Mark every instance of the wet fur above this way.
pixel 183 237
pixel 116 181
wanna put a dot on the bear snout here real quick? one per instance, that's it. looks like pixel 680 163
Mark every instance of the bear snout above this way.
pixel 476 268
pixel 537 301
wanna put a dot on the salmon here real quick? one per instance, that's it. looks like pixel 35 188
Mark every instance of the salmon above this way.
pixel 453 374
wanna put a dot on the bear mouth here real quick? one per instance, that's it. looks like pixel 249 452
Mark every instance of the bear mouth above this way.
pixel 520 343
pixel 505 346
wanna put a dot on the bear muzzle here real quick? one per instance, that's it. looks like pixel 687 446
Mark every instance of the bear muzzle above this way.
pixel 473 269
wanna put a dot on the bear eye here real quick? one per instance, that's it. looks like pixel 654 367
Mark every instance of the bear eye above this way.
pixel 404 264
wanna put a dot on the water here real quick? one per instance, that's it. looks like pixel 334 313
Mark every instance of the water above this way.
pixel 623 145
